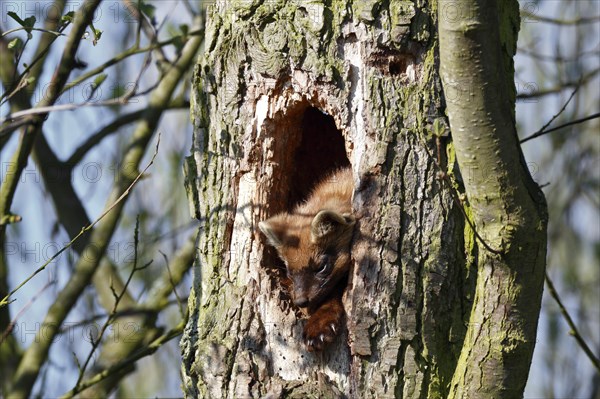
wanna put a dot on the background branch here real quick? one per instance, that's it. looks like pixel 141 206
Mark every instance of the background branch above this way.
pixel 575 122
pixel 100 236
pixel 127 363
pixel 67 62
pixel 574 331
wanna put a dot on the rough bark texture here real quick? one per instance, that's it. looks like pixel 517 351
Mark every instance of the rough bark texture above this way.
pixel 370 68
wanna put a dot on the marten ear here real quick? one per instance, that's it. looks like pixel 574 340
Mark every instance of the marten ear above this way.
pixel 329 223
pixel 275 230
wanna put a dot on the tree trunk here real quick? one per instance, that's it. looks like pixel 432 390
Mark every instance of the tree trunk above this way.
pixel 286 93
pixel 506 205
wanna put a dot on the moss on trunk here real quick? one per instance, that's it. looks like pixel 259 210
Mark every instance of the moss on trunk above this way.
pixel 372 67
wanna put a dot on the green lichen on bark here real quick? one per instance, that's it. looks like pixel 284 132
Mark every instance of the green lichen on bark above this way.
pixel 373 67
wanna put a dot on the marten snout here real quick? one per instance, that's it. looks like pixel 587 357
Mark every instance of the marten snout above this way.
pixel 301 290
pixel 301 301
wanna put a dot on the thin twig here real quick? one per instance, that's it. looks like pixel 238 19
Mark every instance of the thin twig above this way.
pixel 173 285
pixel 13 124
pixel 34 68
pixel 132 92
pixel 575 122
pixel 36 354
pixel 147 27
pixel 20 55
pixel 59 78
pixel 5 301
pixel 125 363
pixel 189 8
pixel 64 107
pixel 534 94
pixel 554 58
pixel 137 311
pixel 525 14
pixel 30 29
pixel 23 83
pixel 96 342
pixel 574 331
pixel 173 232
pixel 113 127
pixel 561 110
pixel 11 326
pixel 127 53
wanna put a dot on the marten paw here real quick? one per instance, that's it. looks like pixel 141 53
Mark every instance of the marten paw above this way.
pixel 320 330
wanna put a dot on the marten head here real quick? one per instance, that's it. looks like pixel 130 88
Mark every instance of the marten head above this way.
pixel 315 250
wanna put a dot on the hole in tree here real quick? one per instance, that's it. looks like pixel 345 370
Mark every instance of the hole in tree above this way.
pixel 307 147
pixel 320 152
pixel 397 67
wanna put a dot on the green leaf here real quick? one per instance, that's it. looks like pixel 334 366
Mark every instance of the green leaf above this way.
pixel 15 43
pixel 178 43
pixel 68 17
pixel 99 80
pixel 184 28
pixel 29 22
pixel 97 34
pixel 147 9
pixel 118 91
pixel 14 16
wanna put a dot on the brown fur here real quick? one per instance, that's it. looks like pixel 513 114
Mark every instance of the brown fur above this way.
pixel 314 243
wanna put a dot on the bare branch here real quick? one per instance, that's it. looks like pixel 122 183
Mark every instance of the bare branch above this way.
pixel 61 74
pixel 574 331
pixel 112 128
pixel 128 362
pixel 157 299
pixel 55 33
pixel 575 122
pixel 557 58
pixel 11 354
pixel 125 54
pixel 33 113
pixel 36 354
pixel 127 312
pixel 561 87
pixel 85 229
pixel 525 14
pixel 31 301
pixel 147 28
pixel 561 110
pixel 112 315
pixel 18 118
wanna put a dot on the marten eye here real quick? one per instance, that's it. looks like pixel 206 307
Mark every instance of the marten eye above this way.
pixel 325 265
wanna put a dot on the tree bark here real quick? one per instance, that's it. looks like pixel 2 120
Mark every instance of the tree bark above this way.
pixel 285 93
pixel 477 43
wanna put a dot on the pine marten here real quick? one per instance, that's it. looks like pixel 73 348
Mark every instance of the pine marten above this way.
pixel 314 243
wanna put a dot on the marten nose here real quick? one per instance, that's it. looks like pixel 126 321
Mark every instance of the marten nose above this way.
pixel 301 301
